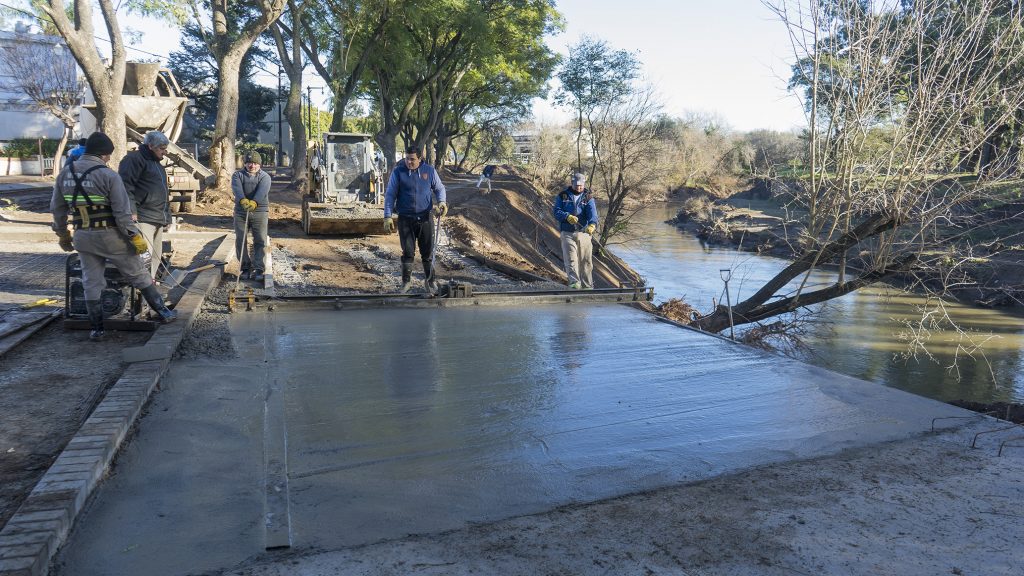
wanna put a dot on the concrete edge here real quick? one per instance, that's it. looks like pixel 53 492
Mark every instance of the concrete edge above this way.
pixel 42 523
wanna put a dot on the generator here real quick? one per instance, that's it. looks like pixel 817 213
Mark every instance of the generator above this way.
pixel 121 302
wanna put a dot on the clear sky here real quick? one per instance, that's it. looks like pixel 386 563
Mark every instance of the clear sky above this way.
pixel 726 57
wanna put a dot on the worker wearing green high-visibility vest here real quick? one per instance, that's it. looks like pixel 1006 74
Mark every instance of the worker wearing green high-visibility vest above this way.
pixel 93 197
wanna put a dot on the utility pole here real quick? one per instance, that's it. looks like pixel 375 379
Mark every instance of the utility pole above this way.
pixel 309 111
pixel 279 157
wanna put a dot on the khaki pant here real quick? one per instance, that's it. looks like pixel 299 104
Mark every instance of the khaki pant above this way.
pixel 577 254
pixel 154 236
pixel 96 248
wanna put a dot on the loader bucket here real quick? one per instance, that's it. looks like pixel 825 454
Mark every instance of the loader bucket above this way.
pixel 355 218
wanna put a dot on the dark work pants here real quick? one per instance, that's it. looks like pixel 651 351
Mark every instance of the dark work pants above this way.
pixel 258 223
pixel 413 231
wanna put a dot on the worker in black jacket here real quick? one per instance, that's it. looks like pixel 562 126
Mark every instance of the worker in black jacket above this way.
pixel 145 181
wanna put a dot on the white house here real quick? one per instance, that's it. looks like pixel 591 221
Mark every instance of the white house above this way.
pixel 19 118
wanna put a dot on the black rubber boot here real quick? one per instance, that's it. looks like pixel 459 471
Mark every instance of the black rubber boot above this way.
pixel 94 308
pixel 406 276
pixel 156 303
pixel 428 279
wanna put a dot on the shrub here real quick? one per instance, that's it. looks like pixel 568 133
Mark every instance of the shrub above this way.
pixel 267 151
pixel 29 147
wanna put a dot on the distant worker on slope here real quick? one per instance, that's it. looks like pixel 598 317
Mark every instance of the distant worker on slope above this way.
pixel 251 186
pixel 576 213
pixel 94 197
pixel 145 181
pixel 486 176
pixel 410 193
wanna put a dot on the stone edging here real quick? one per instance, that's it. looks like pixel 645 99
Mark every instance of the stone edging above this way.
pixel 43 521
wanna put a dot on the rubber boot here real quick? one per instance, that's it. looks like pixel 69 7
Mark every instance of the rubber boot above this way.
pixel 156 303
pixel 406 277
pixel 428 280
pixel 94 309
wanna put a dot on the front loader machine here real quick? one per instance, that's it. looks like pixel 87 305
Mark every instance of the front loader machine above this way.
pixel 346 187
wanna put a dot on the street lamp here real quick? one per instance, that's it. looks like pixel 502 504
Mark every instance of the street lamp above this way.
pixel 309 109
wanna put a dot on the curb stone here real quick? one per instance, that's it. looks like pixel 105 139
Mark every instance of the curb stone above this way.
pixel 40 526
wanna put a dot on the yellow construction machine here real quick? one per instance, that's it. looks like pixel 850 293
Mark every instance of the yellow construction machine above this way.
pixel 346 186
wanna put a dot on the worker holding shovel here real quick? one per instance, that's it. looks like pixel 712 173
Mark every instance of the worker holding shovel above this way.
pixel 411 192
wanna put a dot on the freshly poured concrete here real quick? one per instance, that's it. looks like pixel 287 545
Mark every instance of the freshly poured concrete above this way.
pixel 375 424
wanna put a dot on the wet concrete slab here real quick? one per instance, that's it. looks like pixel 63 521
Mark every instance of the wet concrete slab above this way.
pixel 339 428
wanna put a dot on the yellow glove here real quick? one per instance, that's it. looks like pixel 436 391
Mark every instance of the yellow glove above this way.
pixel 590 228
pixel 64 239
pixel 389 225
pixel 572 219
pixel 139 242
pixel 248 205
pixel 441 209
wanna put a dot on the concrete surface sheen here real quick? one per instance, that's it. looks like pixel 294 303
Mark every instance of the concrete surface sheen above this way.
pixel 417 421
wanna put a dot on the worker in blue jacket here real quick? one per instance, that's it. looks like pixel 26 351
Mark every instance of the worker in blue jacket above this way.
pixel 576 213
pixel 410 194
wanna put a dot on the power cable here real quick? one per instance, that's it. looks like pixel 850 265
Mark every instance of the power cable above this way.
pixel 38 19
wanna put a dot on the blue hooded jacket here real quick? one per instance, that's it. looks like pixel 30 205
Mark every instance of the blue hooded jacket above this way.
pixel 411 192
pixel 581 206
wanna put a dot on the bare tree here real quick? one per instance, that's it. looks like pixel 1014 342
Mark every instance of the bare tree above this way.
pixel 105 76
pixel 43 69
pixel 922 72
pixel 628 145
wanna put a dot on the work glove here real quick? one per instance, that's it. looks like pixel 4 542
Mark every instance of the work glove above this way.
pixel 64 239
pixel 248 205
pixel 389 225
pixel 572 219
pixel 441 209
pixel 590 228
pixel 139 242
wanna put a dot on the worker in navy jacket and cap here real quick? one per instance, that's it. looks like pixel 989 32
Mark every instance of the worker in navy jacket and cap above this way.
pixel 576 213
pixel 411 193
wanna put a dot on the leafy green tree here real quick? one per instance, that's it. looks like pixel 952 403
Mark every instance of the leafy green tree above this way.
pixel 196 71
pixel 594 77
pixel 228 30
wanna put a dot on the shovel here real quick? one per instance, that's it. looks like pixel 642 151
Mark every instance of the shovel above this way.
pixel 431 284
pixel 178 275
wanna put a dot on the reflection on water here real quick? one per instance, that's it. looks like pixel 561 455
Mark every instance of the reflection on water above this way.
pixel 863 334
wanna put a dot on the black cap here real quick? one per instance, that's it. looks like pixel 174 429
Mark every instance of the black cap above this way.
pixel 99 144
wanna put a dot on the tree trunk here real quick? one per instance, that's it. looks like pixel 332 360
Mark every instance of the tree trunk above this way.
pixel 293 111
pixel 58 156
pixel 293 108
pixel 222 149
pixel 105 77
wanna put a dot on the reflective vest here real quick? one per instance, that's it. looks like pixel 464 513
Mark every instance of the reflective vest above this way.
pixel 95 212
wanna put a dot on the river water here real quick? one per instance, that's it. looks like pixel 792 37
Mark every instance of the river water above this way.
pixel 863 334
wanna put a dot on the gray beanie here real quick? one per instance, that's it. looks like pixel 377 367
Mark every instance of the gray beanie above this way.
pixel 579 179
